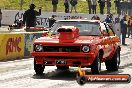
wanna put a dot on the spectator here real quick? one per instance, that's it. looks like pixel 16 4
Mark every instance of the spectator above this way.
pixel 54 3
pixel 73 5
pixel 130 27
pixel 51 21
pixel 116 4
pixel 117 19
pixel 95 17
pixel 111 17
pixel 18 23
pixel 126 7
pixel 123 7
pixel 89 6
pixel 66 4
pixel 0 17
pixel 108 6
pixel 29 16
pixel 130 8
pixel 101 6
pixel 93 4
pixel 123 24
pixel 117 28
pixel 108 19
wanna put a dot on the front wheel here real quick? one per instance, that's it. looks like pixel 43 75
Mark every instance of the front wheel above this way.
pixel 81 80
pixel 96 66
pixel 114 62
pixel 38 68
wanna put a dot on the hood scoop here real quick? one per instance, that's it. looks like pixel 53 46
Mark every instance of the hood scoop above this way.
pixel 68 34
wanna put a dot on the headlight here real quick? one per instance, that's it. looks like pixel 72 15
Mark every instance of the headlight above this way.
pixel 38 48
pixel 85 48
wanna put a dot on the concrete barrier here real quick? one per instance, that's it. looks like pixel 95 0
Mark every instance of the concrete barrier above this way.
pixel 11 46
pixel 16 45
pixel 29 39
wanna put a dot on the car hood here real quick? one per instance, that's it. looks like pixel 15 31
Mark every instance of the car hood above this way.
pixel 80 39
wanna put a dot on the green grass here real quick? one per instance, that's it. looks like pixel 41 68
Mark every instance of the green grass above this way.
pixel 46 5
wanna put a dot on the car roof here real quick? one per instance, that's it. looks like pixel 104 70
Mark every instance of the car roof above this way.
pixel 74 20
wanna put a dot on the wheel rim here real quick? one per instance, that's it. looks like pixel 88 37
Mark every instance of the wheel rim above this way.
pixel 99 65
pixel 118 59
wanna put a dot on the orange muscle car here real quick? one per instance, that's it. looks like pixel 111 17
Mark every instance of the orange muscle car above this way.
pixel 85 43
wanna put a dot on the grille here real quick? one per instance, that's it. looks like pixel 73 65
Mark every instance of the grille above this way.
pixel 60 57
pixel 61 48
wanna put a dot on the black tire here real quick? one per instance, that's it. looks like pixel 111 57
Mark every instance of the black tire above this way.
pixel 96 65
pixel 38 68
pixel 62 67
pixel 114 62
pixel 81 80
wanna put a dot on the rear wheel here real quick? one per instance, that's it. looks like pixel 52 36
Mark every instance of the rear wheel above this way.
pixel 38 68
pixel 62 67
pixel 114 62
pixel 96 66
pixel 81 80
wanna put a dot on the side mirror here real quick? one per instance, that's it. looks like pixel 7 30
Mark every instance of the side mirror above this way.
pixel 105 34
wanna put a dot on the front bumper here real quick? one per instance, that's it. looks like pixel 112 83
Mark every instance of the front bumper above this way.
pixel 71 54
pixel 68 59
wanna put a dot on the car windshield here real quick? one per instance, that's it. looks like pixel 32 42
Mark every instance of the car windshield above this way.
pixel 86 27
